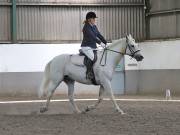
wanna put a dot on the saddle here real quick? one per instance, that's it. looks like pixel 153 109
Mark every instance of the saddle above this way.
pixel 82 60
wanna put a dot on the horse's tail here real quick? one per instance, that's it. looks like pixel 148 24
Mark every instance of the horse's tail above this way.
pixel 44 82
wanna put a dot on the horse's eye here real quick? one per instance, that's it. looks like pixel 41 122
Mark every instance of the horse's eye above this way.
pixel 132 45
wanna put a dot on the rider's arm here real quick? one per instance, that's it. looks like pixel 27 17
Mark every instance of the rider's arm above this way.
pixel 100 36
pixel 91 34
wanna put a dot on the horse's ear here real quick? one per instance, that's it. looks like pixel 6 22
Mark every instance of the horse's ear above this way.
pixel 130 36
pixel 127 37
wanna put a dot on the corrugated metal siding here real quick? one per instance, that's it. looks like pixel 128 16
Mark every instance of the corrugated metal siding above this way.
pixel 164 19
pixel 163 27
pixel 48 23
pixel 28 23
pixel 2 1
pixel 64 23
pixel 115 22
pixel 159 5
pixel 83 1
pixel 178 23
pixel 4 23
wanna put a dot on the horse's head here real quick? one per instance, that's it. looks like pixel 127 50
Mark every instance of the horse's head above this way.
pixel 132 48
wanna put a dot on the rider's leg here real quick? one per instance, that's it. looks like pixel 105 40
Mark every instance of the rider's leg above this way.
pixel 88 51
pixel 89 61
pixel 89 71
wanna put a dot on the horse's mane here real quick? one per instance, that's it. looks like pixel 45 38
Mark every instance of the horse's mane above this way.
pixel 116 42
pixel 110 46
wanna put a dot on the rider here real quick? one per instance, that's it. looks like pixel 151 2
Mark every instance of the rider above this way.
pixel 91 36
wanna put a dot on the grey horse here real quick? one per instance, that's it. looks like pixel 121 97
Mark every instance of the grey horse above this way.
pixel 61 68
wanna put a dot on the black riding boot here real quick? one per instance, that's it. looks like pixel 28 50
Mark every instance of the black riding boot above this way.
pixel 89 65
pixel 89 72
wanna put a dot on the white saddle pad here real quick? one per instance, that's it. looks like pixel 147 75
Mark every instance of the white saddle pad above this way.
pixel 77 60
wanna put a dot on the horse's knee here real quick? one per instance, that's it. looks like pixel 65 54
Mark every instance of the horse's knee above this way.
pixel 71 99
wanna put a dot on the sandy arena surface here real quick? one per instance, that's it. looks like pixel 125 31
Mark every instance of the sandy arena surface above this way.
pixel 142 118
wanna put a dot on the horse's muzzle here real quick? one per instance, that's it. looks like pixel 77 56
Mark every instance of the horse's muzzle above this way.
pixel 139 57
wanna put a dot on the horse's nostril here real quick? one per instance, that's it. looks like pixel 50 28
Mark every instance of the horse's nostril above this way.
pixel 141 57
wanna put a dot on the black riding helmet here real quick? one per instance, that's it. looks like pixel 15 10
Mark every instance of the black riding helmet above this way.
pixel 90 15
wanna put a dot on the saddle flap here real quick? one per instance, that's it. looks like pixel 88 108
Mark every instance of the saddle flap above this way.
pixel 77 60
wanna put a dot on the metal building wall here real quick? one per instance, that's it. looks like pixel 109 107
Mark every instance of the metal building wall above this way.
pixel 83 1
pixel 61 21
pixel 164 19
pixel 48 23
pixel 4 23
pixel 116 22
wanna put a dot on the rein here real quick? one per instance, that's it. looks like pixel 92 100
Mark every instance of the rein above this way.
pixel 107 49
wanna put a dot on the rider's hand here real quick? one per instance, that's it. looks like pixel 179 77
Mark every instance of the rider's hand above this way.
pixel 102 45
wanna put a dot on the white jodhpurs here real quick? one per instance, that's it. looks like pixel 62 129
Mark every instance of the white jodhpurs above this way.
pixel 88 51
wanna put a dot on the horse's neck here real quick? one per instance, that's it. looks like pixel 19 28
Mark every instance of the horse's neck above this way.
pixel 113 58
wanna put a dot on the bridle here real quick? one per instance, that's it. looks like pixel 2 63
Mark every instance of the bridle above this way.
pixel 106 49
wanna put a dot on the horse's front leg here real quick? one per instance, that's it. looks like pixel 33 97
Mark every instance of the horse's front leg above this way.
pixel 94 106
pixel 107 86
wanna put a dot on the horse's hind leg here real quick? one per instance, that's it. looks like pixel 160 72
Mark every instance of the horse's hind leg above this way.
pixel 70 84
pixel 51 88
pixel 94 106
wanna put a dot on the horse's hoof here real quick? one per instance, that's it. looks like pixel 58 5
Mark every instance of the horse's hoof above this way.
pixel 77 112
pixel 42 110
pixel 120 111
pixel 83 112
pixel 87 109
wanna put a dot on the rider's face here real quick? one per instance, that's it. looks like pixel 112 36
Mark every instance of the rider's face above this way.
pixel 92 20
